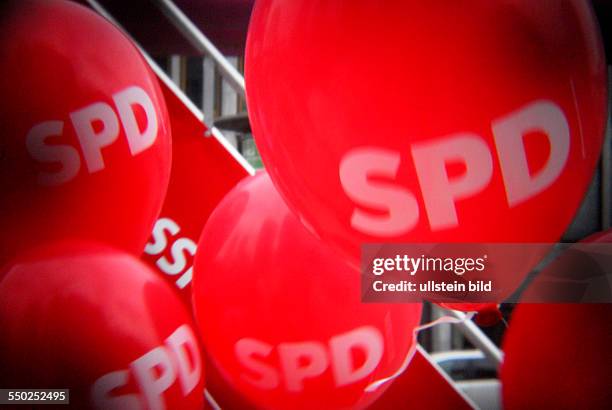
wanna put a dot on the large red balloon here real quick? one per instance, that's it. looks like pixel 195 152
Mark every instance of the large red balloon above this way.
pixel 100 323
pixel 221 393
pixel 428 121
pixel 85 139
pixel 281 315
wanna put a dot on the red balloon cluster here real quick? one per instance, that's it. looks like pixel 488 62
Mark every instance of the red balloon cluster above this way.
pixel 413 121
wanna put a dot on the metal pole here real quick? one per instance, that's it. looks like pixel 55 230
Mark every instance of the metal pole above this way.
pixel 606 163
pixel 199 41
pixel 478 338
pixel 156 68
pixel 212 131
pixel 176 71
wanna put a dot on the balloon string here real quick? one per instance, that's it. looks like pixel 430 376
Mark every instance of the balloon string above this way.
pixel 210 399
pixel 444 319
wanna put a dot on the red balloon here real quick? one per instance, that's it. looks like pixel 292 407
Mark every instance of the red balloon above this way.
pixel 431 122
pixel 221 393
pixel 85 142
pixel 196 161
pixel 281 315
pixel 97 321
pixel 557 356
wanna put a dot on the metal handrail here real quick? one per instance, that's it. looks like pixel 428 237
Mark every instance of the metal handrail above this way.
pixel 197 39
pixel 213 131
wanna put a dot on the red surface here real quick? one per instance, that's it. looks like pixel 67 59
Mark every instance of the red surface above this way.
pixel 71 313
pixel 51 190
pixel 328 82
pixel 260 280
pixel 222 392
pixel 202 173
pixel 557 356
pixel 422 386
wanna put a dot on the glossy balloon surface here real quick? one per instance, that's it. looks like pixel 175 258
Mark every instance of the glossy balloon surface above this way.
pixel 280 313
pixel 428 121
pixel 97 321
pixel 85 139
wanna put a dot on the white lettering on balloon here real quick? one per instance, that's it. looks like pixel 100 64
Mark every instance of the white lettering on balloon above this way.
pixel 440 192
pixel 300 361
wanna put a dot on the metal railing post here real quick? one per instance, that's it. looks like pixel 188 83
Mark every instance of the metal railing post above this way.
pixel 478 338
